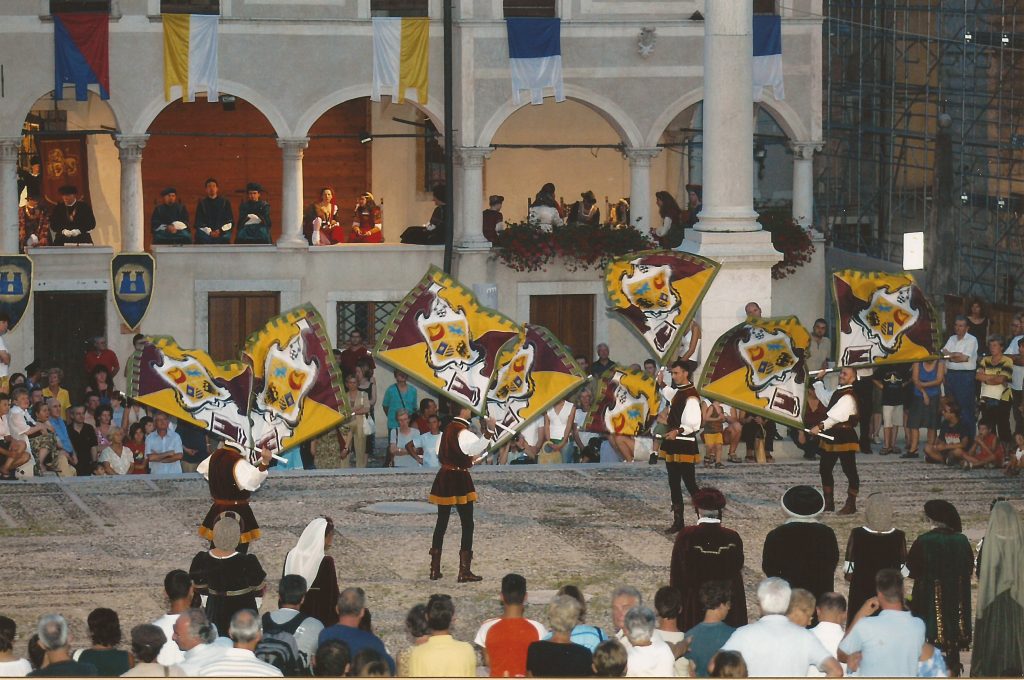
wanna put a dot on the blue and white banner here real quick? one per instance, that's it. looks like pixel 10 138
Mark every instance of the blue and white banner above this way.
pixel 535 57
pixel 768 56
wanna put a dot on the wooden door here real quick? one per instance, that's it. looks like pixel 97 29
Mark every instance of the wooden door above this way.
pixel 569 317
pixel 63 344
pixel 234 316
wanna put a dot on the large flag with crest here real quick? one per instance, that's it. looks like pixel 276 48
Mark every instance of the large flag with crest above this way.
pixel 444 338
pixel 759 366
pixel 882 318
pixel 626 403
pixel 533 374
pixel 284 390
pixel 656 293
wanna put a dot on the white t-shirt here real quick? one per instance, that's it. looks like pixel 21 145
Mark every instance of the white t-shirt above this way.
pixel 121 464
pixel 19 422
pixel 967 346
pixel 656 660
pixel 170 653
pixel 481 635
pixel 430 443
pixel 4 368
pixel 18 668
pixel 403 459
pixel 1014 348
pixel 830 635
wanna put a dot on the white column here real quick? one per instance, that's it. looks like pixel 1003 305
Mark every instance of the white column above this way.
pixel 133 217
pixel 469 198
pixel 291 192
pixel 640 186
pixel 803 181
pixel 9 194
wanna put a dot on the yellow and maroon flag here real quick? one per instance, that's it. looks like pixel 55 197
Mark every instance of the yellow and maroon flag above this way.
pixel 656 293
pixel 759 366
pixel 882 318
pixel 626 403
pixel 445 339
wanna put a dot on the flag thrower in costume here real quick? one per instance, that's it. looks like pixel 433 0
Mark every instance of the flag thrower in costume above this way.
pixel 882 318
pixel 656 293
pixel 445 339
pixel 626 403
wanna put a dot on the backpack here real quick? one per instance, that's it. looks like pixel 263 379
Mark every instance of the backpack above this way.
pixel 279 648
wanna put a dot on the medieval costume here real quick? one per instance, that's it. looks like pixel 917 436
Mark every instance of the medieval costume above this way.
pixel 309 560
pixel 619 213
pixel 999 629
pixel 695 203
pixel 167 216
pixel 232 478
pixel 493 220
pixel 253 218
pixel 71 223
pixel 453 485
pixel 840 422
pixel 230 580
pixel 432 233
pixel 585 211
pixel 671 230
pixel 33 225
pixel 214 220
pixel 366 221
pixel 320 225
pixel 941 562
pixel 875 546
pixel 704 552
pixel 681 454
pixel 803 551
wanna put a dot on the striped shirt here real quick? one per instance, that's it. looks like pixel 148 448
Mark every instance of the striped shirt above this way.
pixel 238 663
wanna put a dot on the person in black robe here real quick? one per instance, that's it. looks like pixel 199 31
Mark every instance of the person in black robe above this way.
pixel 875 546
pixel 71 220
pixel 231 580
pixel 432 233
pixel 704 552
pixel 169 223
pixel 250 230
pixel 493 220
pixel 214 219
pixel 803 551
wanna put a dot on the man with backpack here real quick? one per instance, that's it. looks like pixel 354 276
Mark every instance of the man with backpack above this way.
pixel 289 637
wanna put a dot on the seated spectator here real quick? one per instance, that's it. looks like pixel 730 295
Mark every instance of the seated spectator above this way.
pixel 35 651
pixel 954 438
pixel 83 440
pixel 625 598
pixel 441 654
pixel 493 220
pixel 169 222
pixel 253 217
pixel 105 632
pixel 801 607
pixel 147 641
pixel 831 610
pixel 240 660
pixel 728 665
pixel 986 451
pixel 288 618
pixel 71 220
pixel 214 218
pixel 506 639
pixel 416 629
pixel 13 452
pixel 309 559
pixel 544 210
pixel 774 646
pixel 367 221
pixel 668 605
pixel 610 660
pixel 708 636
pixel 116 459
pixel 331 660
pixel 53 390
pixel 433 232
pixel 137 445
pixel 197 639
pixel 21 424
pixel 585 211
pixel 646 657
pixel 889 644
pixel 559 656
pixel 582 634
pixel 10 665
pixel 57 661
pixel 179 592
pixel 100 384
pixel 46 444
pixel 351 608
pixel 370 664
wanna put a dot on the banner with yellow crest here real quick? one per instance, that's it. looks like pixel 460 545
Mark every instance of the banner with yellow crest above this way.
pixel 626 403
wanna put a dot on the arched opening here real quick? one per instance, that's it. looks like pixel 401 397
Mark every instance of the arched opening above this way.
pixel 232 141
pixel 75 145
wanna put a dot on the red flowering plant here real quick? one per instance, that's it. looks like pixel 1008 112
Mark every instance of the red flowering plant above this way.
pixel 529 247
pixel 790 239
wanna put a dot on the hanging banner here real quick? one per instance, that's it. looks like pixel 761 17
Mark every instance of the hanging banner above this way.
pixel 626 403
pixel 656 294
pixel 131 279
pixel 759 366
pixel 15 287
pixel 64 162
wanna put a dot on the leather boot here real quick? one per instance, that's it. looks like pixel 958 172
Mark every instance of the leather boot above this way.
pixel 830 498
pixel 465 561
pixel 678 521
pixel 435 564
pixel 850 506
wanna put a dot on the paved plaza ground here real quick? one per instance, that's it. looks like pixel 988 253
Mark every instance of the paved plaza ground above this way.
pixel 72 545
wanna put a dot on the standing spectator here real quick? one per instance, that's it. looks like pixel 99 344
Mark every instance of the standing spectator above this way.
pixel 776 647
pixel 194 449
pixel 493 220
pixel 708 636
pixel 428 407
pixel 57 661
pixel 978 323
pixel 253 217
pixel 418 631
pixel 559 656
pixel 309 559
pixel 354 451
pixel 246 632
pixel 728 665
pixel 995 373
pixel 231 580
pixel 53 390
pixel 875 546
pixel 602 363
pixel 694 203
pixel 506 639
pixel 351 610
pixel 10 665
pixel 801 607
pixel 954 439
pixel 147 640
pixel 892 380
pixel 927 378
pixel 399 396
pixel 820 351
pixel 430 442
pixel 33 225
pixel 558 424
pixel 1013 350
pixel 961 366
pixel 105 632
pixel 831 611
pixel 999 629
pixel 288 618
pixel 332 660
pixel 354 352
pixel 646 657
pixel 5 354
pixel 99 355
pixel 624 598
pixel 179 591
pixel 84 441
pixel 888 644
pixel 941 562
pixel 803 551
pixel 213 216
pixel 441 654
pixel 403 443
pixel 164 449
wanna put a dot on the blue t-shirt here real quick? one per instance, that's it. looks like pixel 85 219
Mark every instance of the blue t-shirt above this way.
pixel 585 636
pixel 357 640
pixel 395 401
pixel 708 638
pixel 890 643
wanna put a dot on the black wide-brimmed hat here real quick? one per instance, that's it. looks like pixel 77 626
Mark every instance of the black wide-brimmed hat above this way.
pixel 588 196
pixel 803 501
pixel 944 513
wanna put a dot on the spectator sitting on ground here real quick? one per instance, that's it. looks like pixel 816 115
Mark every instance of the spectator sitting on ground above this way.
pixel 10 665
pixel 57 661
pixel 331 660
pixel 559 656
pixel 506 639
pixel 708 636
pixel 105 632
pixel 240 660
pixel 801 607
pixel 647 658
pixel 582 634
pixel 831 610
pixel 728 665
pixel 147 641
pixel 351 608
pixel 197 638
pixel 179 591
pixel 610 660
pixel 291 591
pixel 442 655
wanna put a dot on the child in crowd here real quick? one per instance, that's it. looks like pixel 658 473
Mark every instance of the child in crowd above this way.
pixel 986 451
pixel 714 421
pixel 1016 461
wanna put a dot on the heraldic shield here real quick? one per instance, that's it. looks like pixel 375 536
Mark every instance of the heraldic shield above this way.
pixel 131 279
pixel 15 286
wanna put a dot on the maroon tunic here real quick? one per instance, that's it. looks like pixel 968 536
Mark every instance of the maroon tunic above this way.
pixel 708 552
pixel 228 496
pixel 453 484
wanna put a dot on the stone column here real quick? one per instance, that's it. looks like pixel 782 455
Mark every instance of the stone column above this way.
pixel 803 181
pixel 9 194
pixel 640 186
pixel 469 197
pixel 291 192
pixel 133 212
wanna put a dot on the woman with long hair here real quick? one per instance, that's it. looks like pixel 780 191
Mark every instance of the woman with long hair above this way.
pixel 366 221
pixel 670 232
pixel 105 632
pixel 309 559
pixel 999 628
pixel 100 384
pixel 320 224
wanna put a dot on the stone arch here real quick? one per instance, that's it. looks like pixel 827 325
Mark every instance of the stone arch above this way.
pixel 432 109
pixel 262 104
pixel 26 106
pixel 605 107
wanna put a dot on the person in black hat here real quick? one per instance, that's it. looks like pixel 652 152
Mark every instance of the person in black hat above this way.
pixel 169 223
pixel 494 221
pixel 33 224
pixel 585 211
pixel 840 423
pixel 941 562
pixel 431 233
pixel 30 181
pixel 214 219
pixel 704 552
pixel 679 446
pixel 71 220
pixel 253 217
pixel 802 550
pixel 695 203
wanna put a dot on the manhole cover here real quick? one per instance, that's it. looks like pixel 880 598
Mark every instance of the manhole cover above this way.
pixel 401 508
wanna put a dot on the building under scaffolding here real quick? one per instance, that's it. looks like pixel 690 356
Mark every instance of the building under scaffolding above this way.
pixel 923 132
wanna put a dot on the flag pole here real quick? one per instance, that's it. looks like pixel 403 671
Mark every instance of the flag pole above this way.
pixel 449 141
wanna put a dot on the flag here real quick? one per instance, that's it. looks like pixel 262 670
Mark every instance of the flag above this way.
pixel 286 391
pixel 81 44
pixel 882 318
pixel 443 337
pixel 533 373
pixel 656 294
pixel 401 58
pixel 190 55
pixel 535 57
pixel 768 56
pixel 759 366
pixel 626 403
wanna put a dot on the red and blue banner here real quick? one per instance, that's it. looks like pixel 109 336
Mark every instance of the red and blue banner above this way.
pixel 81 53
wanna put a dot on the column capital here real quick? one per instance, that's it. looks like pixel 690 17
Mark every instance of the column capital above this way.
pixel 473 156
pixel 641 157
pixel 9 148
pixel 805 150
pixel 129 147
pixel 293 145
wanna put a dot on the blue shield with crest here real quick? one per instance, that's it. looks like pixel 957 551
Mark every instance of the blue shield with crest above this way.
pixel 15 286
pixel 131 280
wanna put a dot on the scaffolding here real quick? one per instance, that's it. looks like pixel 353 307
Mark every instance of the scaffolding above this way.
pixel 899 78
